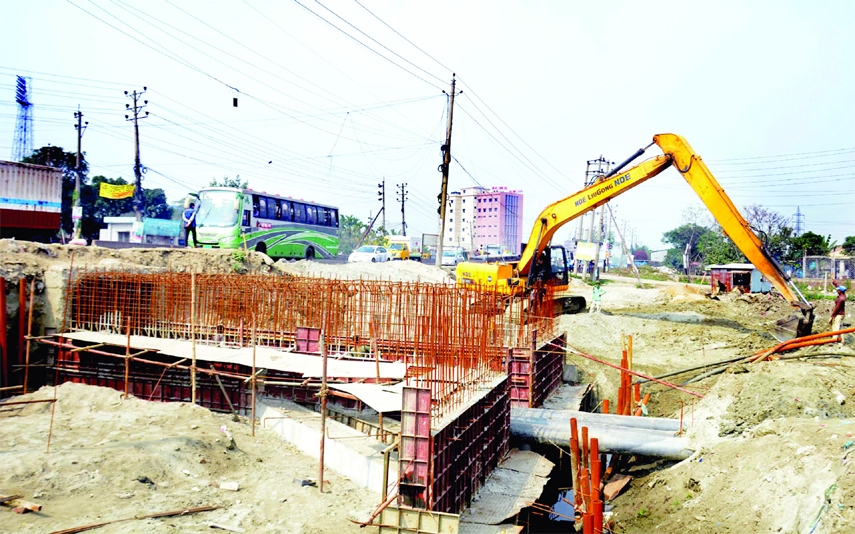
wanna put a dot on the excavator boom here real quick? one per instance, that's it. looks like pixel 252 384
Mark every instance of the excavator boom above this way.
pixel 678 153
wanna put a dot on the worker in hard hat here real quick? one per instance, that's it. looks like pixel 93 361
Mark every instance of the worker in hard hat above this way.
pixel 838 311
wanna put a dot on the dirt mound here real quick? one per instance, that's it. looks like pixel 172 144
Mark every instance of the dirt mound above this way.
pixel 115 458
pixel 24 258
pixel 402 271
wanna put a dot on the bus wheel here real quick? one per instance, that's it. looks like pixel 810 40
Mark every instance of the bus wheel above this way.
pixel 310 253
pixel 261 247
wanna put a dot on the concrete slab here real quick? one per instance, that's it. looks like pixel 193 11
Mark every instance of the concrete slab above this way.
pixel 347 451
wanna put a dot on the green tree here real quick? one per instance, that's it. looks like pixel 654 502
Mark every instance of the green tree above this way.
pixel 230 182
pixel 716 248
pixel 95 207
pixel 809 244
pixel 772 228
pixel 849 244
pixel 686 234
pixel 54 156
pixel 350 232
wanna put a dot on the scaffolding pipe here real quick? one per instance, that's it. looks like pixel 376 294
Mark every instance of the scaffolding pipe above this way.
pixel 612 439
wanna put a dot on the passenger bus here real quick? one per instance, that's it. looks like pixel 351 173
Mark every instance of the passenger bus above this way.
pixel 281 227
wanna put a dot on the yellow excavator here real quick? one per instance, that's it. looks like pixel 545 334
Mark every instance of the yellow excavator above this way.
pixel 545 264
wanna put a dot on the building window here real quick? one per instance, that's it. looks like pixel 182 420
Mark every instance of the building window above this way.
pixel 124 236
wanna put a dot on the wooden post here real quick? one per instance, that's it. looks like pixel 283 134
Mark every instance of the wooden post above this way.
pixel 323 395
pixel 193 336
pixel 29 335
pixel 254 344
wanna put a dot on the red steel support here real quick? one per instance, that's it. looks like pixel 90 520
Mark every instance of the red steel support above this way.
pixel 22 319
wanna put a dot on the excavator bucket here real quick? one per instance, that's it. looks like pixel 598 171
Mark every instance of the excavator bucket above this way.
pixel 794 326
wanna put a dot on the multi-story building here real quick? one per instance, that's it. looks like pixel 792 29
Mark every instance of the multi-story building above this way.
pixel 477 217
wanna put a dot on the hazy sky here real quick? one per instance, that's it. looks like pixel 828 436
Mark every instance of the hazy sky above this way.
pixel 764 92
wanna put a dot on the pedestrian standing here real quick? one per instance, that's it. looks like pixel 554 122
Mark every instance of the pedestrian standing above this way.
pixel 189 218
pixel 838 311
pixel 596 298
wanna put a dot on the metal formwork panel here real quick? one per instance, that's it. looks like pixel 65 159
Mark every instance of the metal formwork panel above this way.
pixel 548 363
pixel 521 373
pixel 468 449
pixel 414 455
pixel 401 520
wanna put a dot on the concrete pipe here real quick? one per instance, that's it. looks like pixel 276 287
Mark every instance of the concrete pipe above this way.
pixel 586 418
pixel 612 439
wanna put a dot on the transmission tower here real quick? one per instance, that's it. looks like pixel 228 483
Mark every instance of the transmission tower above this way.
pixel 23 145
pixel 799 220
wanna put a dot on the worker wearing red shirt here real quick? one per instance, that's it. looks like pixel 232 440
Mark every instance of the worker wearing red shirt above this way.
pixel 838 311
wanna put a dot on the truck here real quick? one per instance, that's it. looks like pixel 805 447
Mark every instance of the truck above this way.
pixel 30 201
pixel 543 264
pixel 403 247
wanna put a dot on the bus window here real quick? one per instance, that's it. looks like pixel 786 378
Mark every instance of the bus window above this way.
pixel 311 215
pixel 334 217
pixel 288 208
pixel 262 207
pixel 299 212
pixel 245 219
pixel 271 208
pixel 279 209
pixel 255 206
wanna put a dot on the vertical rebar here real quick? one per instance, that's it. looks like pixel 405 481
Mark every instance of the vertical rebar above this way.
pixel 193 336
pixel 29 335
pixel 254 346
pixel 323 396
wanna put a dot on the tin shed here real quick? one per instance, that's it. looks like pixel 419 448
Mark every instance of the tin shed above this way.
pixel 742 276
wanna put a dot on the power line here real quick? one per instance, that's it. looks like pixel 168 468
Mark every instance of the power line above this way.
pixel 368 47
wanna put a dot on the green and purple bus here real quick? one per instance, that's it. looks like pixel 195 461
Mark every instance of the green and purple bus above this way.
pixel 281 227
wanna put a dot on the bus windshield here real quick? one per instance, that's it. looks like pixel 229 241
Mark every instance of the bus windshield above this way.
pixel 217 208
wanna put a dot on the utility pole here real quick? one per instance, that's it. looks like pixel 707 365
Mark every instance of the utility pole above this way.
pixel 139 199
pixel 603 167
pixel 446 162
pixel 77 210
pixel 381 195
pixel 403 199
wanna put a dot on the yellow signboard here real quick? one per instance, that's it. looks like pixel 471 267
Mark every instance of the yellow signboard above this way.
pixel 116 192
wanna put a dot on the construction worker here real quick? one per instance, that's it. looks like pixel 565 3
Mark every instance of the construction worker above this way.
pixel 189 219
pixel 838 311
pixel 596 298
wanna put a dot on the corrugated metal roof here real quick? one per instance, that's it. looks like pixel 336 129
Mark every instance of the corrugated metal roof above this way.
pixel 515 484
pixel 309 365
pixel 384 399
pixel 732 266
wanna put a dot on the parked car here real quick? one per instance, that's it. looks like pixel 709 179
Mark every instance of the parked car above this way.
pixel 369 253
pixel 450 258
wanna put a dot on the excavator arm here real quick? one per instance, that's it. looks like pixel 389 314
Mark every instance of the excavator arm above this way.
pixel 679 153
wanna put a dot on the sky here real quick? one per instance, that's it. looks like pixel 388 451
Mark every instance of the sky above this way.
pixel 338 95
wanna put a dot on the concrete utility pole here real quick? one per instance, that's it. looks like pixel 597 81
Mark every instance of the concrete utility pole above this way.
pixel 603 167
pixel 446 162
pixel 381 195
pixel 139 199
pixel 403 199
pixel 77 210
